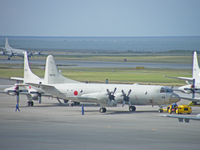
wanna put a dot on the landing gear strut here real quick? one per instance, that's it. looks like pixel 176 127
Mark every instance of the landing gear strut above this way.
pixel 132 108
pixel 102 110
pixel 30 103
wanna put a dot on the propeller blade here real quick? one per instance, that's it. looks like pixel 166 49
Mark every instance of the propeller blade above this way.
pixel 193 83
pixel 193 88
pixel 123 103
pixel 123 94
pixel 114 90
pixel 129 92
pixel 108 91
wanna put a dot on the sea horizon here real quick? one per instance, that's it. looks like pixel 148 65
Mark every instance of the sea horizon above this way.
pixel 104 43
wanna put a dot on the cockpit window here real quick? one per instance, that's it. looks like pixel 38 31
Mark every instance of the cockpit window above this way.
pixel 169 90
pixel 162 90
pixel 165 90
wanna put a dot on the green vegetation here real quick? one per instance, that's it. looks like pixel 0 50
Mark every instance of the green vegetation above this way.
pixel 115 75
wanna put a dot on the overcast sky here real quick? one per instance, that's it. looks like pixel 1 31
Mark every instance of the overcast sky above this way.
pixel 100 17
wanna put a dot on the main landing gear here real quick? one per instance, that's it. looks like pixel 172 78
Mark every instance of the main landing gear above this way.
pixel 102 110
pixel 30 103
pixel 132 108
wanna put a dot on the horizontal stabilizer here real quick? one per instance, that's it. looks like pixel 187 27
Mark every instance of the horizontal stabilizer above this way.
pixel 17 79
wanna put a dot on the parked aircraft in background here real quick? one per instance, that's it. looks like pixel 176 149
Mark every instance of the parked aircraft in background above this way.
pixel 10 52
pixel 193 84
pixel 33 93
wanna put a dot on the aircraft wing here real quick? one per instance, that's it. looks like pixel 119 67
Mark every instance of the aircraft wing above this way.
pixel 190 99
pixel 186 118
pixel 51 90
pixel 84 99
pixel 92 97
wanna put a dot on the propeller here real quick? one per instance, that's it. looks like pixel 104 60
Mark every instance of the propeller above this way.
pixel 126 97
pixel 192 89
pixel 110 94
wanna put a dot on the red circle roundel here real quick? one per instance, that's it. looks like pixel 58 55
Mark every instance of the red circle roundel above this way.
pixel 75 93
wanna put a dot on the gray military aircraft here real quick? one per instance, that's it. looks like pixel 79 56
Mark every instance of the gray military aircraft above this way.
pixel 10 52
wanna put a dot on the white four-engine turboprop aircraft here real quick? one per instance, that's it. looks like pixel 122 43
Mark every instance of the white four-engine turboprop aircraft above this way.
pixel 104 94
pixel 10 52
pixel 56 85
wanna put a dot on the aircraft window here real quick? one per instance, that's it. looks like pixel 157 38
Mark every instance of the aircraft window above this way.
pixel 165 90
pixel 169 90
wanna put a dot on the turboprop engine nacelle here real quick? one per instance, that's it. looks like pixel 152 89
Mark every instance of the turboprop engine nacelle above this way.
pixel 11 91
pixel 34 95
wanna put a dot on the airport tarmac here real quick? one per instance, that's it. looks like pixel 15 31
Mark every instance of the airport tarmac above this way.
pixel 52 126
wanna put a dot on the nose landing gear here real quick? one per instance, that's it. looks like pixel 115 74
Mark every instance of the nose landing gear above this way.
pixel 132 108
pixel 102 110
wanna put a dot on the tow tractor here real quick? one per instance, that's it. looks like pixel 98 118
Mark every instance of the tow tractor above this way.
pixel 180 109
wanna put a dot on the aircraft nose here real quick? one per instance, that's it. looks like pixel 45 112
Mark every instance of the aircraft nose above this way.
pixel 6 90
pixel 174 98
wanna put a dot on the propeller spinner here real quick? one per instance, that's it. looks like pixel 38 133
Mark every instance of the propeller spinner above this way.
pixel 111 95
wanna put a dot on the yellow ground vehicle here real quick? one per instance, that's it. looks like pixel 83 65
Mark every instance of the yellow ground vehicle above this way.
pixel 180 109
pixel 184 109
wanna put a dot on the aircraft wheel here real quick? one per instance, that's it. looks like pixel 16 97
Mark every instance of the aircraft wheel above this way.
pixel 160 110
pixel 32 104
pixel 29 103
pixel 132 108
pixel 102 110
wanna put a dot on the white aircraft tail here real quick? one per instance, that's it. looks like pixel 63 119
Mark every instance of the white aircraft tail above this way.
pixel 195 69
pixel 52 75
pixel 7 46
pixel 29 76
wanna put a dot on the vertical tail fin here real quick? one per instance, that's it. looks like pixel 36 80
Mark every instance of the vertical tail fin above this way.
pixel 195 69
pixel 52 75
pixel 29 77
pixel 7 46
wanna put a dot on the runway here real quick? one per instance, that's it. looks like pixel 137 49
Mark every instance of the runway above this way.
pixel 52 126
pixel 101 64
